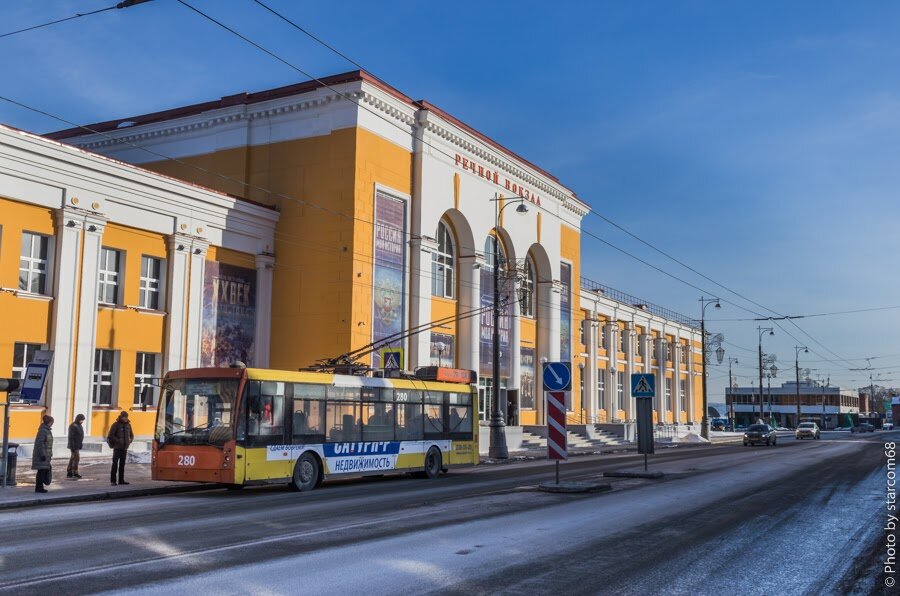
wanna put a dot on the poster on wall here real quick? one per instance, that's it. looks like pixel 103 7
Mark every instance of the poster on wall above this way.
pixel 442 350
pixel 565 313
pixel 229 315
pixel 526 379
pixel 486 336
pixel 388 277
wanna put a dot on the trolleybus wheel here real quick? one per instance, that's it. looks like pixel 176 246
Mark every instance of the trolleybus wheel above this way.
pixel 433 463
pixel 306 473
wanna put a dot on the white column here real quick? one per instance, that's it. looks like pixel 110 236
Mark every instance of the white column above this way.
pixel 689 382
pixel 676 380
pixel 176 300
pixel 515 345
pixel 196 276
pixel 548 334
pixel 86 336
pixel 419 351
pixel 629 370
pixel 69 225
pixel 590 371
pixel 469 327
pixel 661 378
pixel 265 265
pixel 612 371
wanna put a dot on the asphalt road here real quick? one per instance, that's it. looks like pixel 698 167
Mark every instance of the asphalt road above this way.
pixel 799 518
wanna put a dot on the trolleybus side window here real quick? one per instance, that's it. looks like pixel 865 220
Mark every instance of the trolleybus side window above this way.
pixel 410 423
pixel 265 413
pixel 460 422
pixel 308 418
pixel 342 414
pixel 377 416
pixel 434 414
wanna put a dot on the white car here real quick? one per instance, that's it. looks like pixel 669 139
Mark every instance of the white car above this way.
pixel 887 426
pixel 808 429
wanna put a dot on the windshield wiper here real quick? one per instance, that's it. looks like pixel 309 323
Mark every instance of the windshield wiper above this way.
pixel 199 427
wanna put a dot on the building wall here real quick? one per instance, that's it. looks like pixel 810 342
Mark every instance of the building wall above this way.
pixel 86 203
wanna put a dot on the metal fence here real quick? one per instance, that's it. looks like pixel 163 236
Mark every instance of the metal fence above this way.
pixel 624 298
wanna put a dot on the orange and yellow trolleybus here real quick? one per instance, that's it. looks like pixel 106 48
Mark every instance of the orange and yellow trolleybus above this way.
pixel 247 426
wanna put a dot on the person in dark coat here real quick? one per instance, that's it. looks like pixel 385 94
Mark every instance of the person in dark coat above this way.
pixel 42 454
pixel 119 438
pixel 76 442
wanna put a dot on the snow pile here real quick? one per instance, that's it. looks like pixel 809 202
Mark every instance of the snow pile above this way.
pixel 689 438
pixel 139 457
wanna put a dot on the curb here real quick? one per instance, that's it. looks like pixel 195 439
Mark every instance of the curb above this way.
pixel 106 496
pixel 623 474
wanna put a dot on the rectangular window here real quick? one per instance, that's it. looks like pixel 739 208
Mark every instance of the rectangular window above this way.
pixel 622 339
pixel 378 421
pixel 604 342
pixel 681 391
pixel 640 346
pixel 145 369
pixel 104 375
pixel 461 414
pixel 620 392
pixel 265 413
pixel 686 355
pixel 669 393
pixel 110 261
pixel 34 263
pixel 22 354
pixel 341 421
pixel 308 421
pixel 601 386
pixel 668 351
pixel 151 282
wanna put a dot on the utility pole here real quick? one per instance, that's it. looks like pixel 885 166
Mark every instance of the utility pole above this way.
pixel 761 331
pixel 797 369
pixel 730 387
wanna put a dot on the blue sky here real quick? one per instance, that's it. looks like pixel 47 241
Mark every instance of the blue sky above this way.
pixel 758 142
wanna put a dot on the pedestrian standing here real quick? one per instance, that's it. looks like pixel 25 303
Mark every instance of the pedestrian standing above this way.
pixel 119 438
pixel 42 454
pixel 76 442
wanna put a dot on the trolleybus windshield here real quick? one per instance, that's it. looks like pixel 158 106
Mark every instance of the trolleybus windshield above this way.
pixel 197 411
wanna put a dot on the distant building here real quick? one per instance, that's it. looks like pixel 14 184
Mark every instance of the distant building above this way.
pixel 829 407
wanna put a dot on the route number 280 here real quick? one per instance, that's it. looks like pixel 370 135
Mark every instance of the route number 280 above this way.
pixel 186 460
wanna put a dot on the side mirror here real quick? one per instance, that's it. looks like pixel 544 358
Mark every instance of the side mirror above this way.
pixel 146 397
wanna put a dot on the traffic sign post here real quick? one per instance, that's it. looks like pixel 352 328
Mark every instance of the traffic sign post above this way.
pixel 557 383
pixel 392 358
pixel 643 388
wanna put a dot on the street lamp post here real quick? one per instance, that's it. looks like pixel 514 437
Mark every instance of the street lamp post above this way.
pixel 498 449
pixel 761 331
pixel 704 420
pixel 797 369
pixel 731 387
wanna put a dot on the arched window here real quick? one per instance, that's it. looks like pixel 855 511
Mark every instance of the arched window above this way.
pixel 489 254
pixel 442 280
pixel 528 290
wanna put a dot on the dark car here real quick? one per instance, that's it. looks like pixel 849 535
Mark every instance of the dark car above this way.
pixel 760 433
pixel 863 427
pixel 719 423
pixel 808 429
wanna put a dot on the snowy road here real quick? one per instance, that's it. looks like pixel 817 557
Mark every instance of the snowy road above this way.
pixel 799 518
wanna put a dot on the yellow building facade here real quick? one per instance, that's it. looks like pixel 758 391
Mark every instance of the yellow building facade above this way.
pixel 388 212
pixel 113 268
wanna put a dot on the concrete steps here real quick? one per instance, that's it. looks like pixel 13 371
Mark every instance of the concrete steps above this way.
pixel 577 440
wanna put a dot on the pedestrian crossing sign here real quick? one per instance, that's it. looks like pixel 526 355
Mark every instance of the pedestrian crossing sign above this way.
pixel 643 385
pixel 392 358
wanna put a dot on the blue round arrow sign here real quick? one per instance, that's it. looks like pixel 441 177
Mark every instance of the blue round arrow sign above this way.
pixel 557 376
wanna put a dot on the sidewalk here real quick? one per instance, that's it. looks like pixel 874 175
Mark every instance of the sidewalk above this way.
pixel 94 486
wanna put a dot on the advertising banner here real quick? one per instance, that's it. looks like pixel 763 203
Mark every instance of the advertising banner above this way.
pixel 442 350
pixel 388 271
pixel 565 312
pixel 526 378
pixel 229 315
pixel 486 336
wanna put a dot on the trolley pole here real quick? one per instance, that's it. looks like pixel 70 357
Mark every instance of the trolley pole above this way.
pixel 6 385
